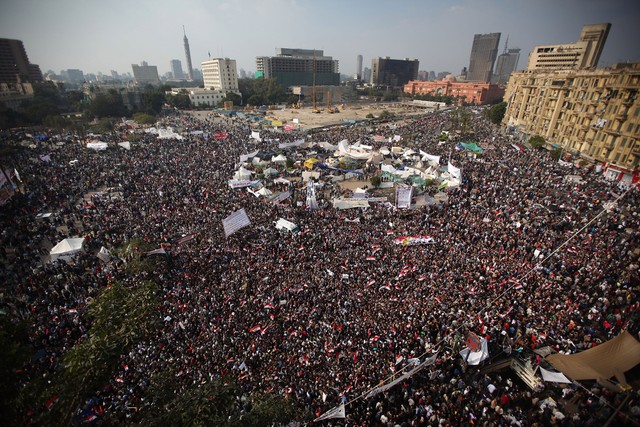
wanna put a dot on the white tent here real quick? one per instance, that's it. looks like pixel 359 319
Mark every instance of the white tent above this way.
pixel 279 159
pixel 283 224
pixel 270 171
pixel 242 174
pixel 264 191
pixel 67 249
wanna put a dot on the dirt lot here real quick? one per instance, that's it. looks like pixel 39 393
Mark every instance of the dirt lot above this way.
pixel 307 119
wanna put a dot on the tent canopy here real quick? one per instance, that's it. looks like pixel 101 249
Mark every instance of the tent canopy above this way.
pixel 67 248
pixel 612 358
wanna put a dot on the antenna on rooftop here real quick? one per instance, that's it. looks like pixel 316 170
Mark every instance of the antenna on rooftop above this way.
pixel 506 43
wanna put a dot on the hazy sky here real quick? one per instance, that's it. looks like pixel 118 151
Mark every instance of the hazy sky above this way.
pixel 113 34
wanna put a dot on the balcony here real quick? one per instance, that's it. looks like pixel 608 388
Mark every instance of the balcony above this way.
pixel 628 102
pixel 613 132
pixel 621 117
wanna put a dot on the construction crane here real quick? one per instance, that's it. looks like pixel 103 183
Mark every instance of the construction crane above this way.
pixel 313 87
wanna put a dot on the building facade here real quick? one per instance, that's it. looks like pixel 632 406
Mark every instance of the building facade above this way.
pixel 220 74
pixel 393 72
pixel 483 55
pixel 358 75
pixel 176 69
pixel 585 53
pixel 14 63
pixel 299 67
pixel 595 113
pixel 145 74
pixel 506 64
pixel 467 92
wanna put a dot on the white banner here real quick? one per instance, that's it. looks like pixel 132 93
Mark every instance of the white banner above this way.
pixel 475 357
pixel 234 183
pixel 403 196
pixel 454 171
pixel 337 412
pixel 554 377
pixel 296 143
pixel 256 135
pixel 235 222
pixel 245 157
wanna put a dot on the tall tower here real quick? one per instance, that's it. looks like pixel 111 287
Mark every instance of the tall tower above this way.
pixel 483 55
pixel 359 67
pixel 187 53
pixel 506 64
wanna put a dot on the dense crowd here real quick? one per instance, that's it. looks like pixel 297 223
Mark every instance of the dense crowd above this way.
pixel 326 314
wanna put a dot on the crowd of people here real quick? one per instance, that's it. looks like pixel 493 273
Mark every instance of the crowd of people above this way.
pixel 324 315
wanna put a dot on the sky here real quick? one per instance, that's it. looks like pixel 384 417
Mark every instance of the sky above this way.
pixel 99 36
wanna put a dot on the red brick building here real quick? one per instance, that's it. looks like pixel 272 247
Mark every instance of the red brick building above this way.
pixel 471 93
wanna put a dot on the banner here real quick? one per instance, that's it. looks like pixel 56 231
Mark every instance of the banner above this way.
pixel 234 183
pixel 554 377
pixel 475 357
pixel 235 222
pixel 337 412
pixel 295 143
pixel 403 196
pixel 256 135
pixel 454 171
pixel 414 240
pixel 430 361
pixel 245 157
pixel 220 135
pixel 281 197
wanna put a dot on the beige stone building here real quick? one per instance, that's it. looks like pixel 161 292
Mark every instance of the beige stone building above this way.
pixel 595 113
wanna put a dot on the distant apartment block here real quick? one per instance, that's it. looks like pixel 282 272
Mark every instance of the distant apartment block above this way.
pixel 145 74
pixel 585 53
pixel 592 112
pixel 483 55
pixel 220 74
pixel 14 63
pixel 299 67
pixel 393 72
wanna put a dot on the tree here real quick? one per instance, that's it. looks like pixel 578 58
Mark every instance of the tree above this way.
pixel 14 353
pixel 144 118
pixel 385 115
pixel 153 99
pixel 376 181
pixel 233 97
pixel 537 141
pixel 496 113
pixel 107 105
pixel 181 100
pixel 556 153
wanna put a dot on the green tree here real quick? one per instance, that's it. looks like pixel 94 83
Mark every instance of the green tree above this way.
pixel 181 100
pixel 376 181
pixel 107 105
pixel 556 153
pixel 14 353
pixel 153 99
pixel 537 141
pixel 496 113
pixel 144 118
pixel 386 115
pixel 233 97
pixel 56 121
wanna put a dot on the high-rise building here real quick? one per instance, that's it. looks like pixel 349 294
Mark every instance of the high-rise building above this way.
pixel 176 69
pixel 14 63
pixel 220 74
pixel 393 72
pixel 359 67
pixel 145 74
pixel 594 112
pixel 299 67
pixel 483 55
pixel 585 53
pixel 506 64
pixel 73 75
pixel 187 54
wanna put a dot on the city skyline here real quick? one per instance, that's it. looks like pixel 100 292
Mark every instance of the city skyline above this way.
pixel 69 34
